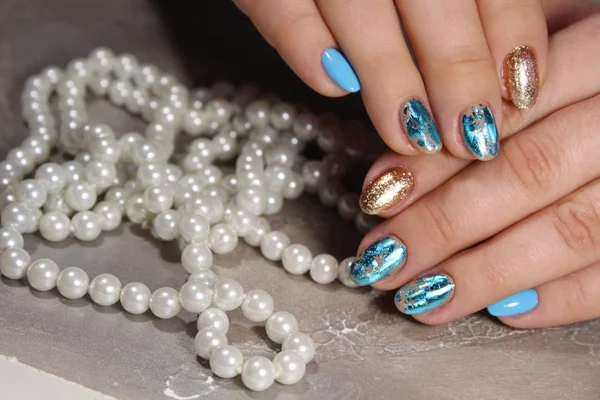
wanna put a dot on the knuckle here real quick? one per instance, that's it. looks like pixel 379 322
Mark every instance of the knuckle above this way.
pixel 463 60
pixel 577 221
pixel 439 226
pixel 289 27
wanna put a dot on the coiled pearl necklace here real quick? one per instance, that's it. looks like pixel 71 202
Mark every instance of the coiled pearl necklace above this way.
pixel 193 202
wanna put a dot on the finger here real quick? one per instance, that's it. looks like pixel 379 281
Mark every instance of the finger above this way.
pixel 370 35
pixel 459 74
pixel 572 77
pixel 572 298
pixel 297 31
pixel 517 36
pixel 559 240
pixel 538 167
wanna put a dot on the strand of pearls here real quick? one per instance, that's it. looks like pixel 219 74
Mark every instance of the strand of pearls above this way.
pixel 190 200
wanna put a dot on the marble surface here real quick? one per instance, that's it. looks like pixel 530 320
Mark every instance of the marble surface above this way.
pixel 365 349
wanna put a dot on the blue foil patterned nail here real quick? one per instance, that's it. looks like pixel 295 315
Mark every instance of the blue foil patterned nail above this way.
pixel 424 294
pixel 480 134
pixel 340 70
pixel 519 303
pixel 420 127
pixel 378 261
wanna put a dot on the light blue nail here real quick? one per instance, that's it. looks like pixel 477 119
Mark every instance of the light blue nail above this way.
pixel 340 70
pixel 516 304
pixel 378 261
pixel 480 133
pixel 424 294
pixel 420 127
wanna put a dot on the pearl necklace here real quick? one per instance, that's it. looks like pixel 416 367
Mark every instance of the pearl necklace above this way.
pixel 195 203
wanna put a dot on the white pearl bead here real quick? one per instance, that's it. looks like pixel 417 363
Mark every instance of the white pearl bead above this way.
pixel 314 175
pixel 14 263
pixel 105 289
pixel 195 122
pixel 151 174
pixel 158 198
pixel 110 213
pixel 272 245
pixel 226 361
pixel 145 76
pixel 228 295
pixel 166 225
pixel 195 296
pixel 194 228
pixel 39 147
pixel 135 298
pixel 330 192
pixel 42 275
pixel 259 229
pixel 296 259
pixel 125 66
pixel 274 202
pixel 258 374
pixel 300 343
pixel 55 226
pixel 10 238
pixel 101 174
pixel 31 193
pixel 306 126
pixel 257 113
pixel 290 367
pixel 9 174
pixel 17 217
pixel 196 257
pixel 105 149
pixel 23 158
pixel 282 115
pixel 87 225
pixel 213 318
pixel 251 178
pixel 57 202
pixel 328 139
pixel 145 152
pixel 222 239
pixel 280 325
pixel 252 199
pixel 6 197
pixel 324 269
pixel 217 192
pixel 208 340
pixel 293 187
pixel 280 154
pixel 80 196
pixel 230 183
pixel 73 283
pixel 135 209
pixel 164 303
pixel 207 277
pixel 241 221
pixel 344 272
pixel 34 221
pixel 293 143
pixel 348 206
pixel 258 305
pixel 52 176
pixel 74 171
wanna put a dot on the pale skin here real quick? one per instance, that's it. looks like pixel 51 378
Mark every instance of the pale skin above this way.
pixel 528 219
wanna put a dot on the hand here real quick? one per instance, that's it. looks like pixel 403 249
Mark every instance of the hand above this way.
pixel 464 49
pixel 528 219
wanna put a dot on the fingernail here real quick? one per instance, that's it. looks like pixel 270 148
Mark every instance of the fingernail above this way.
pixel 480 134
pixel 516 304
pixel 387 190
pixel 378 261
pixel 424 294
pixel 340 70
pixel 521 76
pixel 420 127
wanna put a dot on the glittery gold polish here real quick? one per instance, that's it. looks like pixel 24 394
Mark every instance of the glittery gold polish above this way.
pixel 521 76
pixel 387 190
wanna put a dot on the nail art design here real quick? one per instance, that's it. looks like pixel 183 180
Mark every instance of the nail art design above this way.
pixel 378 261
pixel 424 294
pixel 519 303
pixel 521 77
pixel 387 190
pixel 480 134
pixel 339 69
pixel 420 127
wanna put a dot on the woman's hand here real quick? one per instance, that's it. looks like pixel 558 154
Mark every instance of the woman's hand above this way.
pixel 529 219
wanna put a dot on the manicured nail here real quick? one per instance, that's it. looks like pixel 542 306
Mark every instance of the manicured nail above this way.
pixel 516 304
pixel 340 70
pixel 387 190
pixel 420 127
pixel 521 77
pixel 424 294
pixel 480 133
pixel 378 261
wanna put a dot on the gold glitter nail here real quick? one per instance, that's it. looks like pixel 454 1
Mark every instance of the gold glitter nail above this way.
pixel 522 77
pixel 387 190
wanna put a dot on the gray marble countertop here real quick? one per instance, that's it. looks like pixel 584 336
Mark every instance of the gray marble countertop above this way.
pixel 366 350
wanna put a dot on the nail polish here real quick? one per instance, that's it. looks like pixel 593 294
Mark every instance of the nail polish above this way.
pixel 521 75
pixel 519 303
pixel 420 127
pixel 479 131
pixel 339 69
pixel 378 261
pixel 424 294
pixel 387 190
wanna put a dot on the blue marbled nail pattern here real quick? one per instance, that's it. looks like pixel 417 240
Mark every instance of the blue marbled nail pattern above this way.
pixel 424 294
pixel 420 127
pixel 378 261
pixel 480 133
